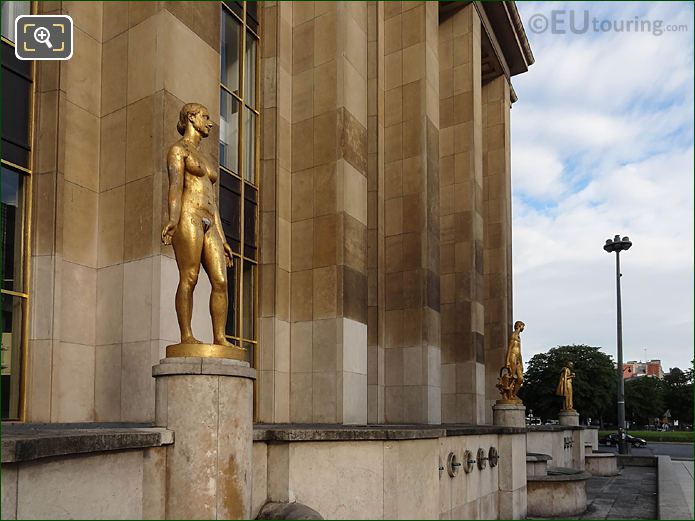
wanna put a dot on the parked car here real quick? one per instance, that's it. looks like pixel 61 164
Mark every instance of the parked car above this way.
pixel 612 439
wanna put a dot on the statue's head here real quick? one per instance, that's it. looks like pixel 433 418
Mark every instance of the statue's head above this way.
pixel 569 364
pixel 519 326
pixel 197 116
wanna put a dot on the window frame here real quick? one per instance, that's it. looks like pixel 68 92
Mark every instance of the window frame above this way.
pixel 25 243
pixel 245 339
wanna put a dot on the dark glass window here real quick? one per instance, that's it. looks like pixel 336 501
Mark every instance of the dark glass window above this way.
pixel 239 135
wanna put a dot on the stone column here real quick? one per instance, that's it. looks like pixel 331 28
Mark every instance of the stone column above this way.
pixel 208 403
pixel 461 195
pixel 570 418
pixel 497 257
pixel 411 214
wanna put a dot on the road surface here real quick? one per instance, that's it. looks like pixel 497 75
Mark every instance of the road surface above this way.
pixel 677 451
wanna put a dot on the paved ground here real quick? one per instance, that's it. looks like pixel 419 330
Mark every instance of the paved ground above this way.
pixel 677 451
pixel 684 472
pixel 631 495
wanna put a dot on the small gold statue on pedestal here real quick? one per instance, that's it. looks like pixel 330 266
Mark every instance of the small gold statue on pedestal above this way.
pixel 564 387
pixel 195 231
pixel 512 374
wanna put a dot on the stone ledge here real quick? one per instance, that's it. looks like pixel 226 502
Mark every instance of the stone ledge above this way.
pixel 555 428
pixel 671 503
pixel 27 442
pixel 331 432
pixel 561 474
pixel 537 456
pixel 204 366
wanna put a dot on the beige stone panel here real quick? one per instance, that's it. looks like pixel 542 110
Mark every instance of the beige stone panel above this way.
pixel 78 304
pixel 137 300
pixel 168 276
pixel 142 57
pixel 109 305
pixel 113 150
pixel 354 397
pixel 325 292
pixel 416 487
pixel 137 383
pixel 392 35
pixel 354 193
pixel 325 95
pixel 86 16
pixel 301 347
pixel 303 46
pixel 141 143
pixel 72 382
pixel 303 195
pixel 114 70
pixel 325 399
pixel 354 341
pixel 110 227
pixel 105 485
pixel 81 160
pixel 9 491
pixel 301 397
pixel 115 19
pixel 138 226
pixel 154 483
pixel 303 96
pixel 325 36
pixel 42 297
pixel 512 465
pixel 107 383
pixel 325 189
pixel 325 345
pixel 317 470
pixel 302 244
pixel 47 128
pixel 39 378
pixel 281 400
pixel 355 93
pixel 259 491
pixel 80 79
pixel 301 295
pixel 393 75
pixel 234 448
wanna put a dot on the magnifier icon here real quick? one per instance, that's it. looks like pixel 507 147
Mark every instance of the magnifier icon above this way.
pixel 42 35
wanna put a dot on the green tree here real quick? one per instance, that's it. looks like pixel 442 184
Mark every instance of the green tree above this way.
pixel 678 394
pixel 644 400
pixel 594 386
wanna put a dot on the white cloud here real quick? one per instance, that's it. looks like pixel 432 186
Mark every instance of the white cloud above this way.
pixel 603 144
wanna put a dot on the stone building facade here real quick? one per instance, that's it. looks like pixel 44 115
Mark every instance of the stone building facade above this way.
pixel 364 153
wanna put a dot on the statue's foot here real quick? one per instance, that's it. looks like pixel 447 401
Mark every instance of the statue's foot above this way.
pixel 190 340
pixel 224 342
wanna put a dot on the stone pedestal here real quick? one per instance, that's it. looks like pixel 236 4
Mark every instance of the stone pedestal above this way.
pixel 509 415
pixel 208 403
pixel 569 418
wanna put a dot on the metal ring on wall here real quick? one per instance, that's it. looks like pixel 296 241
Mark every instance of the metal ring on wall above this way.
pixel 452 465
pixel 493 457
pixel 482 459
pixel 468 461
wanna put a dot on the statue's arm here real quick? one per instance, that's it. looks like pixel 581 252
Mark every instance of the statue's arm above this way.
pixel 175 166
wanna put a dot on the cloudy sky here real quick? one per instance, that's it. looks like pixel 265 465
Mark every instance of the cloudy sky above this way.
pixel 602 144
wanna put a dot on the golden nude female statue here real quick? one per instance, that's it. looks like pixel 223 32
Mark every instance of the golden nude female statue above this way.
pixel 512 374
pixel 195 230
pixel 564 387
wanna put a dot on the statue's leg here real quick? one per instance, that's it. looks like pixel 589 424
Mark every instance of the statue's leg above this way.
pixel 216 268
pixel 188 245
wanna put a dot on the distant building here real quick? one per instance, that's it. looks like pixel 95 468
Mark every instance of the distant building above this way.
pixel 634 369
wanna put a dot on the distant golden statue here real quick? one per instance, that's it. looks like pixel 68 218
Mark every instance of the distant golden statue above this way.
pixel 512 374
pixel 564 387
pixel 195 231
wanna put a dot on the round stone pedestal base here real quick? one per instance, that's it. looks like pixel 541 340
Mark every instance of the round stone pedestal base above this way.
pixel 509 415
pixel 569 418
pixel 208 403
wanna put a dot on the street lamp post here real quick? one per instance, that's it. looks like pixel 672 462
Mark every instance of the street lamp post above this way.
pixel 617 245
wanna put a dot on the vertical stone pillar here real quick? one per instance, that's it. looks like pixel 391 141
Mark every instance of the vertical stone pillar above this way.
pixel 498 229
pixel 208 403
pixel 511 499
pixel 273 398
pixel 411 213
pixel 461 189
pixel 328 307
pixel 375 212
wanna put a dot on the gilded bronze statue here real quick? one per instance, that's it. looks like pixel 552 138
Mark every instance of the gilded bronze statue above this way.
pixel 194 229
pixel 564 387
pixel 512 373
